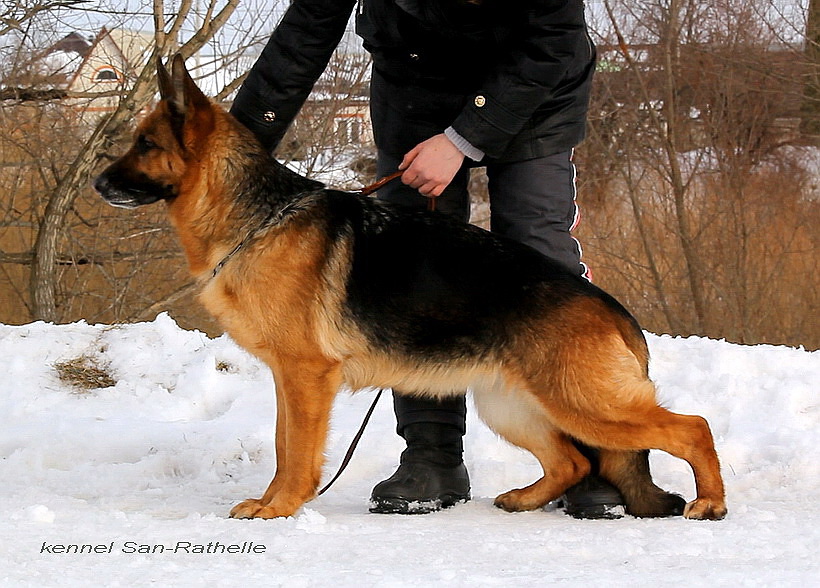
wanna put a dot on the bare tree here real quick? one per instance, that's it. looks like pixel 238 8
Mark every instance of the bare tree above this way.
pixel 811 97
pixel 167 32
pixel 64 255
pixel 15 15
pixel 692 119
pixel 700 207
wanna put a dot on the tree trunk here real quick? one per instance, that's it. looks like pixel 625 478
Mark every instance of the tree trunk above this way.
pixel 43 280
pixel 810 110
pixel 694 266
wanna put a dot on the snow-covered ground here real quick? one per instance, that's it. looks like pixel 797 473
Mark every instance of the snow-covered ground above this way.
pixel 187 431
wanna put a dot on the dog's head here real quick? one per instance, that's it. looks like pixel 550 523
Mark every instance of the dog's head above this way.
pixel 156 165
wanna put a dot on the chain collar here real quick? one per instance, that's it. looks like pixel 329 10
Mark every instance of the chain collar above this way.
pixel 272 219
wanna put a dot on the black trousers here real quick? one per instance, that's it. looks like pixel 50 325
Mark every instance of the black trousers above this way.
pixel 531 201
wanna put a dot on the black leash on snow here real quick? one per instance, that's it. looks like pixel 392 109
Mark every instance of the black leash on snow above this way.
pixel 366 191
pixel 431 205
pixel 353 444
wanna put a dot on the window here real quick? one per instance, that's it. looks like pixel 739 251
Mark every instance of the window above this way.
pixel 349 130
pixel 106 74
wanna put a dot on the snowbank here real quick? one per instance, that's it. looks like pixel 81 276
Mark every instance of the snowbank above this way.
pixel 94 479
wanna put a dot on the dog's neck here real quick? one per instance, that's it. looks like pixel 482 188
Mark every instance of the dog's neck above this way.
pixel 279 183
pixel 245 193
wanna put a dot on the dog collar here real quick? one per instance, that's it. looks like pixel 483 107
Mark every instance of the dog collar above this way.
pixel 274 218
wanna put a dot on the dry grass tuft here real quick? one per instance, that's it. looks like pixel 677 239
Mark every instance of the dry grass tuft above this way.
pixel 84 373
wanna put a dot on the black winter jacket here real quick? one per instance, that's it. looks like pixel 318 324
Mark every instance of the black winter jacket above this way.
pixel 515 74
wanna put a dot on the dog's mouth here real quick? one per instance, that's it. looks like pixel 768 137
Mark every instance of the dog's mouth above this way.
pixel 131 197
pixel 128 204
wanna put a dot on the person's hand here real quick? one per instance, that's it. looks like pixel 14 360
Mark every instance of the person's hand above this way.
pixel 431 165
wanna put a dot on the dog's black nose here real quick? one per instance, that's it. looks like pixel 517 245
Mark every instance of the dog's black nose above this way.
pixel 101 184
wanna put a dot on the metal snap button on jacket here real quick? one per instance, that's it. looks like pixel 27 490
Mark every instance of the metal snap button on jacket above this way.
pixel 480 101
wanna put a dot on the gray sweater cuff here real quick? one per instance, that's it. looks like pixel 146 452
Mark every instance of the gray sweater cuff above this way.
pixel 464 145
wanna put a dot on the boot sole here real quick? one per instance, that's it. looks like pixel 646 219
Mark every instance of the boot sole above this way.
pixel 410 507
pixel 597 511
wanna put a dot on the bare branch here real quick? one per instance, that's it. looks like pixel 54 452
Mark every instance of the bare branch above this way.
pixel 16 14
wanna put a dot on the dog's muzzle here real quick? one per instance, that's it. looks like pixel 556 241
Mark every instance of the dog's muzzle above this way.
pixel 130 197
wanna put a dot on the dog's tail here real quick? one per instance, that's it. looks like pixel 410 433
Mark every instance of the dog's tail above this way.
pixel 629 472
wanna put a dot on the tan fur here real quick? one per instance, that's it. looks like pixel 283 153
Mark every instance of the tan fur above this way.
pixel 580 372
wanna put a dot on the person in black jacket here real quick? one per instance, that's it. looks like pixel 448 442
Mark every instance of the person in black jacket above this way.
pixel 455 83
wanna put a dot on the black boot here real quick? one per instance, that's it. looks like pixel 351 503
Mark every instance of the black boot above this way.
pixel 431 476
pixel 593 497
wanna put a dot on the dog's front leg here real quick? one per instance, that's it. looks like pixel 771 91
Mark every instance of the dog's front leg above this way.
pixel 281 455
pixel 305 389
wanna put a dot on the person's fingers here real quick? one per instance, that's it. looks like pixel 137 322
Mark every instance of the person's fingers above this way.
pixel 408 158
pixel 431 188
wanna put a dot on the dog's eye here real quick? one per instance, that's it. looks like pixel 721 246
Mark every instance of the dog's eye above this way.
pixel 145 144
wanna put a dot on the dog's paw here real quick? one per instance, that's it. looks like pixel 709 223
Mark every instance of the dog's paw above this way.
pixel 252 508
pixel 518 501
pixel 705 509
pixel 247 509
pixel 660 504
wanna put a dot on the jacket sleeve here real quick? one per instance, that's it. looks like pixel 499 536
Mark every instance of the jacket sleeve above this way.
pixel 289 65
pixel 551 48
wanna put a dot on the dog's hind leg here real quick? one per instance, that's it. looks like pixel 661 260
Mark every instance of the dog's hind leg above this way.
pixel 600 393
pixel 684 436
pixel 629 472
pixel 518 418
pixel 305 392
pixel 563 467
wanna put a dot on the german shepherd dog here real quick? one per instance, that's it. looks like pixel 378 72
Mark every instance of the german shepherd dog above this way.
pixel 334 289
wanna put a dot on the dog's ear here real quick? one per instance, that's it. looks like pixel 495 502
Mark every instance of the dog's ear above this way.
pixel 166 87
pixel 187 94
pixel 178 88
pixel 185 100
pixel 172 93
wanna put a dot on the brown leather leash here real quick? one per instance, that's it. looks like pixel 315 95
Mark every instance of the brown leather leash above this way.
pixel 368 190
